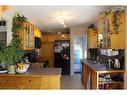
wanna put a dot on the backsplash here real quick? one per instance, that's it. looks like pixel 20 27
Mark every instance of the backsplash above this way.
pixel 32 55
pixel 106 54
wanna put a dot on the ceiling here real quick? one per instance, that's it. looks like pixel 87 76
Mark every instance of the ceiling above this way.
pixel 45 17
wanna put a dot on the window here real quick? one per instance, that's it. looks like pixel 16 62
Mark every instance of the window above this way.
pixel 2 23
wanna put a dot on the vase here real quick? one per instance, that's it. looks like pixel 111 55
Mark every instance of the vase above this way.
pixel 11 69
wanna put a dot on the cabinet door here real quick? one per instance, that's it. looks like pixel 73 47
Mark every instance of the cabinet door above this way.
pixel 92 39
pixel 118 40
pixel 27 36
pixel 107 31
pixel 50 82
pixel 44 38
pixel 32 42
pixel 50 38
pixel 50 56
pixel 37 32
pixel 47 52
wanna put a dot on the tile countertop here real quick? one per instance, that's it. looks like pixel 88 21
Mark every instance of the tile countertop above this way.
pixel 99 67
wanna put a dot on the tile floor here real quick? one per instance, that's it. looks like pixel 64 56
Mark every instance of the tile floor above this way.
pixel 71 82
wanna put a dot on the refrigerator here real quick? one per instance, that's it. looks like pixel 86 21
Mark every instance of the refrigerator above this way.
pixel 62 56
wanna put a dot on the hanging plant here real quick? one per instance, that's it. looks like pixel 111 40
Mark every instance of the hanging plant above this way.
pixel 117 12
pixel 17 25
pixel 13 52
pixel 116 21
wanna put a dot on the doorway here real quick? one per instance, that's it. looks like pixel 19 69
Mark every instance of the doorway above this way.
pixel 80 52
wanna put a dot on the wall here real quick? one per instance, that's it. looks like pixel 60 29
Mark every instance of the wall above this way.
pixel 8 15
pixel 76 31
pixel 125 85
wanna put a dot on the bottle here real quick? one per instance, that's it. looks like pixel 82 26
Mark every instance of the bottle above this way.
pixel 109 64
pixel 26 60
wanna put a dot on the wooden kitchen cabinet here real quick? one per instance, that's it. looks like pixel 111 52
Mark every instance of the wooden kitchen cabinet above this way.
pixel 47 52
pixel 50 38
pixel 62 37
pixel 43 38
pixel 37 32
pixel 107 31
pixel 118 41
pixel 28 34
pixel 111 39
pixel 30 82
pixel 8 82
pixel 93 77
pixel 47 49
pixel 92 38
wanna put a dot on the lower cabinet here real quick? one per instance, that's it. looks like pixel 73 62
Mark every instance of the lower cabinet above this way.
pixel 28 82
pixel 102 79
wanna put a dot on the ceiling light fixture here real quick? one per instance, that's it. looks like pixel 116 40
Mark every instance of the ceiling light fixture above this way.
pixel 62 19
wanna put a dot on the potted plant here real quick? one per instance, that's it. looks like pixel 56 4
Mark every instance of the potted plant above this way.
pixel 12 56
pixel 13 52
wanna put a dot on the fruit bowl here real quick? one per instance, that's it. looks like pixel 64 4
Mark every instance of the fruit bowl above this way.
pixel 21 68
pixel 21 71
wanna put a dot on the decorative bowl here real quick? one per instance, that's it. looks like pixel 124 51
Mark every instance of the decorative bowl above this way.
pixel 22 68
pixel 21 71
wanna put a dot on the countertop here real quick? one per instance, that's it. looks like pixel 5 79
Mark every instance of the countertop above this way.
pixel 99 67
pixel 37 70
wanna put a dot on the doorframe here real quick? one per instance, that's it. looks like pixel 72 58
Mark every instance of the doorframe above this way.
pixel 72 51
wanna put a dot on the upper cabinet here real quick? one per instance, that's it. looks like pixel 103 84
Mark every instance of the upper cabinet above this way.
pixel 118 39
pixel 53 37
pixel 37 32
pixel 47 38
pixel 112 32
pixel 62 37
pixel 28 34
pixel 107 31
pixel 92 38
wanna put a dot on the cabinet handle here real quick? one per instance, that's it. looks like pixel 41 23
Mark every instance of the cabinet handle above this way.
pixel 7 80
pixel 29 80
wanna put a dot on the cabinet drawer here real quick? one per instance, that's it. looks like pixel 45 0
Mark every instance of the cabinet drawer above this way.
pixel 8 80
pixel 30 81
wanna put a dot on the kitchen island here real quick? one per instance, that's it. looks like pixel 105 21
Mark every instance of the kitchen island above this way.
pixel 35 78
pixel 99 76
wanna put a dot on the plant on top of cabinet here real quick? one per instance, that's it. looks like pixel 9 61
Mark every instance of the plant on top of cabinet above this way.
pixel 116 22
pixel 17 25
pixel 113 28
pixel 116 16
